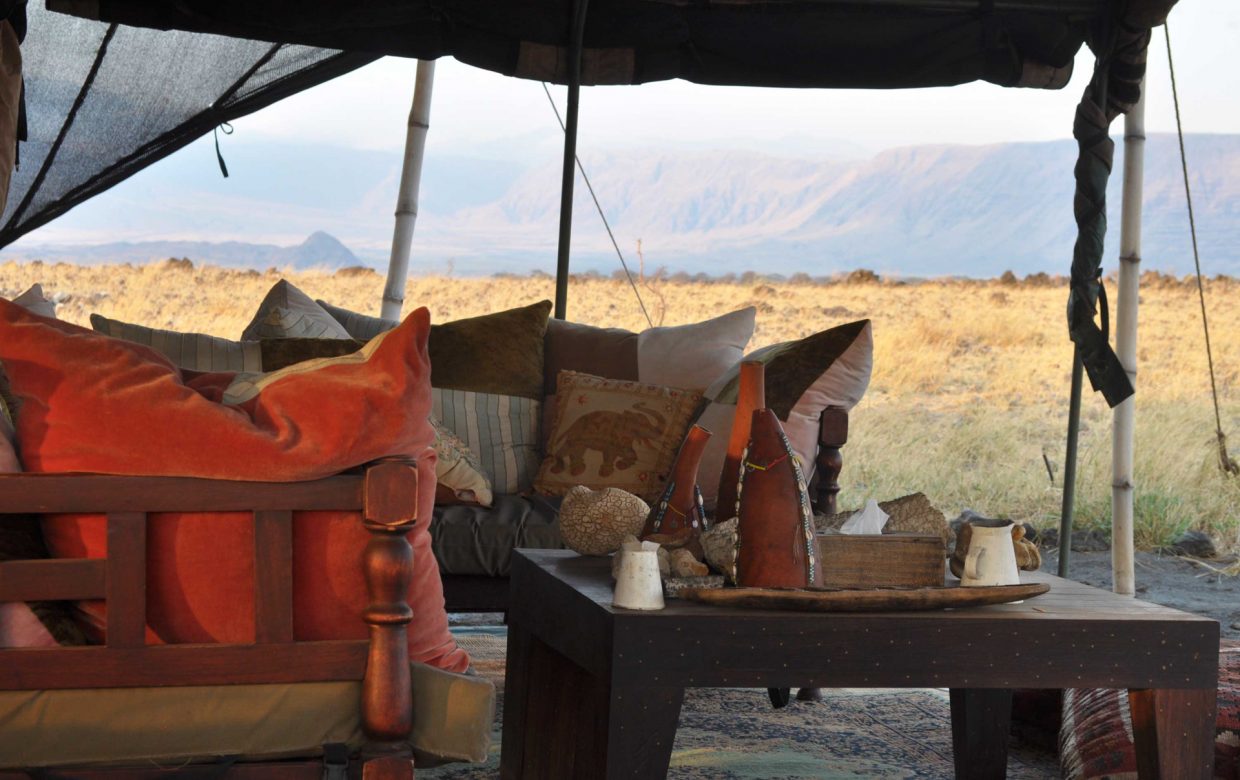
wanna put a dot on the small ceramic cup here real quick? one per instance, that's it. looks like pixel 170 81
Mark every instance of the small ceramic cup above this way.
pixel 637 580
pixel 991 559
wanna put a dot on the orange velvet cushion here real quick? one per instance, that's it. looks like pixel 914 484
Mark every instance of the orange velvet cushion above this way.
pixel 97 404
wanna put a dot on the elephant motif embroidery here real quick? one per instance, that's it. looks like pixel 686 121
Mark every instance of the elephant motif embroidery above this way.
pixel 614 435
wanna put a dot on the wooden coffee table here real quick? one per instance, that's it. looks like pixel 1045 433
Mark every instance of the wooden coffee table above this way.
pixel 595 691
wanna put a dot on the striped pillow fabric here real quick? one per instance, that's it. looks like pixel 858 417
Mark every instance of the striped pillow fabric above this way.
pixel 1096 733
pixel 193 351
pixel 502 430
pixel 362 327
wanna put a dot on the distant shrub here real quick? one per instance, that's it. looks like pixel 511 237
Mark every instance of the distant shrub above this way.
pixel 354 271
pixel 862 276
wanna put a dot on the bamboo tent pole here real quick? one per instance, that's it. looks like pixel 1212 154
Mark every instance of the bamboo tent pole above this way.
pixel 1122 556
pixel 1068 507
pixel 576 37
pixel 407 195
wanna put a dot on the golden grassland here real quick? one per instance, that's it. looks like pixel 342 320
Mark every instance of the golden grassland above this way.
pixel 968 401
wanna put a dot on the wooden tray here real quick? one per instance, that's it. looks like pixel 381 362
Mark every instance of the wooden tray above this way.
pixel 870 600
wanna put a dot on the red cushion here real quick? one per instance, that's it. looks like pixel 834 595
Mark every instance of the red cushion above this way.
pixel 97 404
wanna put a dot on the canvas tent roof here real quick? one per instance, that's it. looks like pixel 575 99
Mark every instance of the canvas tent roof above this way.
pixel 102 103
pixel 773 43
pixel 107 96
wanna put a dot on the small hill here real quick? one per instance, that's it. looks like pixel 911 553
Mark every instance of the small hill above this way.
pixel 319 250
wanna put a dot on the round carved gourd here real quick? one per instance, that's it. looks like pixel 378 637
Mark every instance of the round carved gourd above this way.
pixel 594 522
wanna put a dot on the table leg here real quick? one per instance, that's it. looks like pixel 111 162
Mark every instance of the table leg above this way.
pixel 981 724
pixel 561 722
pixel 1173 732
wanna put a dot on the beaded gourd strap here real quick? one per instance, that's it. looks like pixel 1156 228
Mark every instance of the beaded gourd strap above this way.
pixel 756 467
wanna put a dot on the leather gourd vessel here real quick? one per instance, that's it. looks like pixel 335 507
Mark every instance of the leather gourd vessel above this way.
pixel 678 515
pixel 775 533
pixel 750 395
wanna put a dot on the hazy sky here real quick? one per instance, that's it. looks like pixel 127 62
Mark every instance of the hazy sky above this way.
pixel 475 109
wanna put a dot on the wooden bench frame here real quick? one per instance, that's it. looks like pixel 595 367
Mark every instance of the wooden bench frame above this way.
pixel 385 496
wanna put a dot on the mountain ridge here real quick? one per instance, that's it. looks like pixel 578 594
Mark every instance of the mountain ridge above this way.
pixel 929 210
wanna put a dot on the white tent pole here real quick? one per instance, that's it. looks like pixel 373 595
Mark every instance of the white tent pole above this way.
pixel 407 195
pixel 1122 555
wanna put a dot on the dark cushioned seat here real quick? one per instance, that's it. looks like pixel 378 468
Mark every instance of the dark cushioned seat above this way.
pixel 477 541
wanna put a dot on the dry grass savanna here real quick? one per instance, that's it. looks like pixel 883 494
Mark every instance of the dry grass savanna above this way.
pixel 968 401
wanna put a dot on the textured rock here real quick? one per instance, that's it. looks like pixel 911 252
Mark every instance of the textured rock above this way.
pixel 595 522
pixel 683 564
pixel 1090 541
pixel 1193 543
pixel 672 586
pixel 719 545
pixel 1028 557
pixel 908 514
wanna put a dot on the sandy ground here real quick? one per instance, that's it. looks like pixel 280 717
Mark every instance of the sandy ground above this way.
pixel 1168 580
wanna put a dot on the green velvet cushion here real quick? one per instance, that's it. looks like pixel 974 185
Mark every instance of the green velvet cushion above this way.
pixel 499 353
pixel 282 353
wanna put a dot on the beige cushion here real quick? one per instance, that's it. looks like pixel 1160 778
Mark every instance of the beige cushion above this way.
pixel 614 433
pixel 195 351
pixel 287 312
pixel 451 721
pixel 34 301
pixel 459 469
pixel 829 368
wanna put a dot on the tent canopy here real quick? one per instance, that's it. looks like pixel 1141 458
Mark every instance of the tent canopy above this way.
pixel 771 43
pixel 113 86
pixel 102 102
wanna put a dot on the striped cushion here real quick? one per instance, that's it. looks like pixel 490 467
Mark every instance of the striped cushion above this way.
pixel 362 327
pixel 502 430
pixel 194 351
pixel 1095 736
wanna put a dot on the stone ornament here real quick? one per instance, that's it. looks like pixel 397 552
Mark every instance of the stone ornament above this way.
pixel 595 522
pixel 683 564
pixel 719 544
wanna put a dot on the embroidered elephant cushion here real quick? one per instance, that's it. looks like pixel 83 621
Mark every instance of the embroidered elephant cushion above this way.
pixel 614 433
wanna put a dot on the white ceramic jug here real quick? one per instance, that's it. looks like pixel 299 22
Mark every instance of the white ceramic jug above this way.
pixel 638 585
pixel 991 559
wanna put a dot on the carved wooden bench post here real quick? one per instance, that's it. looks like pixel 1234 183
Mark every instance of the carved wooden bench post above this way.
pixel 391 500
pixel 832 435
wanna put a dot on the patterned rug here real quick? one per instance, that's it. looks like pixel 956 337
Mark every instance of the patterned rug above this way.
pixel 734 734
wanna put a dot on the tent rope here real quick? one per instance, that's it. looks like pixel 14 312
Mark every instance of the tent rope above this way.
pixel 599 208
pixel 1226 463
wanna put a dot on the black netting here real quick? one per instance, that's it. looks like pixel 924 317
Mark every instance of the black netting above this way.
pixel 104 102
